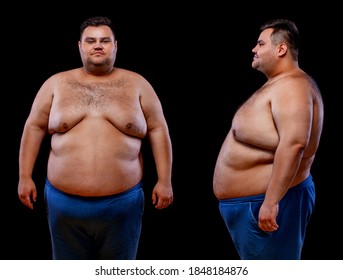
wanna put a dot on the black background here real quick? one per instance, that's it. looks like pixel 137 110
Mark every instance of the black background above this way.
pixel 198 59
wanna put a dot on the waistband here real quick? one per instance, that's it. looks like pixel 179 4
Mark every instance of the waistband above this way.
pixel 134 188
pixel 260 197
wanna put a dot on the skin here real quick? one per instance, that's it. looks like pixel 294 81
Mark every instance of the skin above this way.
pixel 275 134
pixel 97 116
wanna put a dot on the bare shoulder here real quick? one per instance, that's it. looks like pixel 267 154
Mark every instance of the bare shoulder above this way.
pixel 63 75
pixel 130 75
pixel 299 79
pixel 135 80
pixel 295 84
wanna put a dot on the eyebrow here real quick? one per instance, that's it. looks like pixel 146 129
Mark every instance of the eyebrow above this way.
pixel 101 38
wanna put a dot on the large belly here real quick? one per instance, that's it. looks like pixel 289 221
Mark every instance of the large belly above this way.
pixel 241 170
pixel 94 159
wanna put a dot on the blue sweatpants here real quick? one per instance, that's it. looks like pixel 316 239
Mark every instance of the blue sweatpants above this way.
pixel 295 209
pixel 94 228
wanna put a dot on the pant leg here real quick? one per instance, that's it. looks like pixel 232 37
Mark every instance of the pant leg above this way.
pixel 241 219
pixel 94 227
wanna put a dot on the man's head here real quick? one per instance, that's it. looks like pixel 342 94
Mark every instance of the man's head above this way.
pixel 97 45
pixel 96 21
pixel 285 31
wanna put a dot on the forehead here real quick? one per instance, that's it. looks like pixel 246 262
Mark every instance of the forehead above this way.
pixel 97 32
pixel 265 35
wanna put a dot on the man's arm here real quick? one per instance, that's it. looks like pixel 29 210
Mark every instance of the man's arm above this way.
pixel 292 114
pixel 34 131
pixel 159 138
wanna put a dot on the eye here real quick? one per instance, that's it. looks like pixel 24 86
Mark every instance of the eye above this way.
pixel 260 43
pixel 90 41
pixel 107 40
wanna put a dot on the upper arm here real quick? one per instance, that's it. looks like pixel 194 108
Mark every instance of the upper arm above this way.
pixel 151 106
pixel 40 109
pixel 292 110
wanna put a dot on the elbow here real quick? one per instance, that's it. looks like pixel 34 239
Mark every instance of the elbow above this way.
pixel 299 148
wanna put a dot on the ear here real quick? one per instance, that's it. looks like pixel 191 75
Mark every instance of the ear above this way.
pixel 282 49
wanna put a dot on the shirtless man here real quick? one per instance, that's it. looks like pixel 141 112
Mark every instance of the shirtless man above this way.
pixel 97 116
pixel 262 177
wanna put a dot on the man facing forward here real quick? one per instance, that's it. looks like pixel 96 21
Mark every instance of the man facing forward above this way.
pixel 97 116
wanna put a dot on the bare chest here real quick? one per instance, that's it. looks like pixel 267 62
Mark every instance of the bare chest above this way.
pixel 253 122
pixel 112 101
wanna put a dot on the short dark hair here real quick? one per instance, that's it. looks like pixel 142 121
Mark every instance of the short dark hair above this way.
pixel 284 30
pixel 96 21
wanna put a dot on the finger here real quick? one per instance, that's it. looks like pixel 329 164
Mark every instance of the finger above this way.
pixel 153 198
pixel 162 204
pixel 28 203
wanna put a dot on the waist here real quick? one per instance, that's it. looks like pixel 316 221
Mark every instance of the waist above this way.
pixel 308 182
pixel 123 193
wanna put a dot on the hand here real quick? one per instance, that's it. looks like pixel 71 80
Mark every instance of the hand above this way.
pixel 267 217
pixel 27 192
pixel 162 195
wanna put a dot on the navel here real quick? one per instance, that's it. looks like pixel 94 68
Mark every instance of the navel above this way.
pixel 129 125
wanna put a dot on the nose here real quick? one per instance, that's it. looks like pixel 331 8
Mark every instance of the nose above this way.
pixel 98 45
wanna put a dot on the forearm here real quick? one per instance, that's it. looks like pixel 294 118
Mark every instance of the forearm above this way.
pixel 29 149
pixel 162 153
pixel 285 167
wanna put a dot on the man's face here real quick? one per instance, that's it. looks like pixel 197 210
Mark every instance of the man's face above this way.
pixel 98 46
pixel 264 51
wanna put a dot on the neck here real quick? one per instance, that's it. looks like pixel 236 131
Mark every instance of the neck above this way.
pixel 95 70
